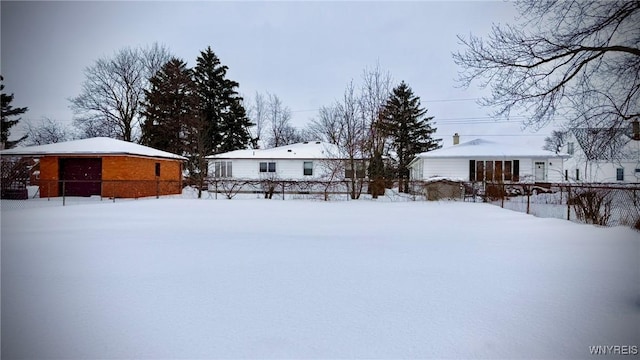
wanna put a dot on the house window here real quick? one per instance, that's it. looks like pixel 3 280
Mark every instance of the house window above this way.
pixel 359 170
pixel 507 171
pixel 223 169
pixel 307 168
pixel 157 169
pixel 267 167
pixel 570 148
pixel 620 174
pixel 472 170
pixel 497 174
pixel 479 170
pixel 577 174
pixel 566 175
pixel 489 171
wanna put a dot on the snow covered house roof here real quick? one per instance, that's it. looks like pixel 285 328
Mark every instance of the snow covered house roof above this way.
pixel 485 148
pixel 92 146
pixel 303 150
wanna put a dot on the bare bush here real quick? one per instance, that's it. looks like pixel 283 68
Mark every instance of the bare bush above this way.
pixel 593 206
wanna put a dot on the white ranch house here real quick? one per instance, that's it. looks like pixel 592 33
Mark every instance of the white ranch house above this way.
pixel 309 160
pixel 602 156
pixel 482 160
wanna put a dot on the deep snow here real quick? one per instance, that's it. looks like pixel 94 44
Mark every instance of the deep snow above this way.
pixel 256 278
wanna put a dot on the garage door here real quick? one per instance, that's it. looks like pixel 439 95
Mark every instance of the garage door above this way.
pixel 82 176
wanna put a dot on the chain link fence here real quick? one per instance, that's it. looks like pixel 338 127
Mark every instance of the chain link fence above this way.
pixel 45 193
pixel 598 204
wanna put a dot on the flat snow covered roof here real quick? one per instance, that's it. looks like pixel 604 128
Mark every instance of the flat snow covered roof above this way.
pixel 303 150
pixel 91 146
pixel 486 148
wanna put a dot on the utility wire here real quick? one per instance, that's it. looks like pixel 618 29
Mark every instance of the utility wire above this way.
pixel 426 101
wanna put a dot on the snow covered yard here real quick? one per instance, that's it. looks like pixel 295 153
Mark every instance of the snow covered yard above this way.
pixel 186 278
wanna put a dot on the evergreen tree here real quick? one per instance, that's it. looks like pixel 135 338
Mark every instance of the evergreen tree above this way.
pixel 221 109
pixel 170 112
pixel 7 112
pixel 410 131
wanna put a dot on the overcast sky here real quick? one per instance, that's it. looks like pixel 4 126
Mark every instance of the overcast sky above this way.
pixel 304 52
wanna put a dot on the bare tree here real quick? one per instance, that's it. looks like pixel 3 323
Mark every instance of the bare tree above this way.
pixel 281 132
pixel 353 144
pixel 579 59
pixel 109 102
pixel 47 131
pixel 556 141
pixel 351 125
pixel 153 57
pixel 257 112
pixel 327 126
pixel 375 90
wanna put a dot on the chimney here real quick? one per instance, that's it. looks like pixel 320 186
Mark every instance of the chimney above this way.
pixel 456 139
pixel 636 129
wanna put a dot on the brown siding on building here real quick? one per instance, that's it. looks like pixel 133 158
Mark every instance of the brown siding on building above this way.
pixel 49 173
pixel 123 176
pixel 131 177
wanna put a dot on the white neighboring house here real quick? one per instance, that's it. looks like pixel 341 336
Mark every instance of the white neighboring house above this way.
pixel 309 160
pixel 602 156
pixel 483 160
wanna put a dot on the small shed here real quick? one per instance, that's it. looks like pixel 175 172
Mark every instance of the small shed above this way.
pixel 440 188
pixel 105 167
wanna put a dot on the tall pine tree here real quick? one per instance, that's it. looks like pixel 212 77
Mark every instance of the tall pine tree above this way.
pixel 410 131
pixel 170 111
pixel 7 112
pixel 226 121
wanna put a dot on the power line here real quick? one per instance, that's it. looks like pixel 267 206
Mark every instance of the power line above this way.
pixel 494 134
pixel 449 100
pixel 430 101
pixel 305 110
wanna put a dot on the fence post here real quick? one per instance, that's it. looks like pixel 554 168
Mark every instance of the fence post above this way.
pixel 502 195
pixel 64 193
pixel 568 202
pixel 528 199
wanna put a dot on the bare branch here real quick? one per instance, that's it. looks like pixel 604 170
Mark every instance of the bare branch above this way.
pixel 556 57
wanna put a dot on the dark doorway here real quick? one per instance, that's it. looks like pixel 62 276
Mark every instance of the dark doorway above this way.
pixel 81 176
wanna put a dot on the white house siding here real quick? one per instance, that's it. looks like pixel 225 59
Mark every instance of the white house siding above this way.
pixel 602 172
pixel 446 167
pixel 555 172
pixel 286 169
pixel 453 162
pixel 458 168
pixel 553 168
pixel 579 169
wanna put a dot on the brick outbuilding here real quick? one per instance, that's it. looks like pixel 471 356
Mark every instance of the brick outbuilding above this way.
pixel 105 167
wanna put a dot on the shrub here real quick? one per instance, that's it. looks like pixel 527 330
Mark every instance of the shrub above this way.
pixel 593 206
